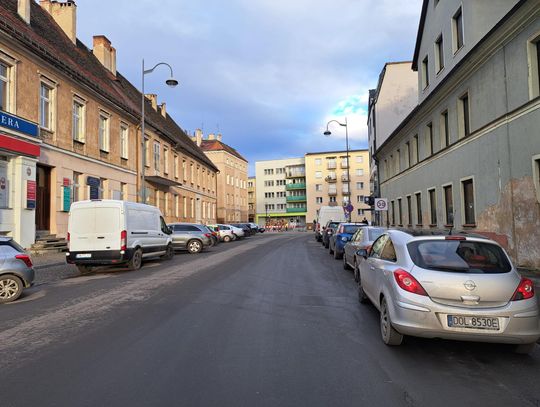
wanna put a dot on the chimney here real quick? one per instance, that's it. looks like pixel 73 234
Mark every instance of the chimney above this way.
pixel 65 15
pixel 219 137
pixel 105 53
pixel 211 136
pixel 163 109
pixel 152 97
pixel 23 8
pixel 198 137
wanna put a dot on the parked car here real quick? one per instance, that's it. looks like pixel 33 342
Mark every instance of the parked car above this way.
pixel 343 233
pixel 327 231
pixel 325 215
pixel 245 227
pixel 450 287
pixel 215 234
pixel 225 233
pixel 238 233
pixel 255 228
pixel 110 232
pixel 192 237
pixel 362 239
pixel 16 272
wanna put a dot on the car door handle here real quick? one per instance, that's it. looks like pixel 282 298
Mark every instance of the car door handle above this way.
pixel 101 237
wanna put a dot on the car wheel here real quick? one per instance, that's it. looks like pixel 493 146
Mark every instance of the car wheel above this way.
pixel 194 246
pixel 136 261
pixel 10 288
pixel 84 269
pixel 345 264
pixel 525 349
pixel 362 297
pixel 226 238
pixel 169 254
pixel 389 335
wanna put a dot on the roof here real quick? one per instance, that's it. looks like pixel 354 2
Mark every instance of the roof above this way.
pixel 46 40
pixel 216 145
pixel 339 152
pixel 419 35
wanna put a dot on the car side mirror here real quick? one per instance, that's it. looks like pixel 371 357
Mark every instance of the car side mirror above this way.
pixel 363 253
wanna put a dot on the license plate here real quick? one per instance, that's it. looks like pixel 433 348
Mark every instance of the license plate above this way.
pixel 84 256
pixel 460 321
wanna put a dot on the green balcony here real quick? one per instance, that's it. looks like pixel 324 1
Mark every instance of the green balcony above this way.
pixel 297 210
pixel 299 198
pixel 294 187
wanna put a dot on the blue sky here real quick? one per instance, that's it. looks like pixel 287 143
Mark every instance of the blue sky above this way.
pixel 267 74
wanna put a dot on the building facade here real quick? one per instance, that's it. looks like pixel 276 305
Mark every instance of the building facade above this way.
pixel 334 180
pixel 468 156
pixel 232 189
pixel 252 199
pixel 87 118
pixel 281 192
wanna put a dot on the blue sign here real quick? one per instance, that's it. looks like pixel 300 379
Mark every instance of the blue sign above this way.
pixel 66 204
pixel 16 123
pixel 93 181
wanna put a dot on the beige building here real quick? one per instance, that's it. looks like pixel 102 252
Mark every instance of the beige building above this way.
pixel 331 181
pixel 232 194
pixel 75 129
pixel 252 199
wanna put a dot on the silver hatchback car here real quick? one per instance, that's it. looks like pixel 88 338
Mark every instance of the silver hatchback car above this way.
pixel 451 287
pixel 16 272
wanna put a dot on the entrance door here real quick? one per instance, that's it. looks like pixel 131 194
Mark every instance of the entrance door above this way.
pixel 43 198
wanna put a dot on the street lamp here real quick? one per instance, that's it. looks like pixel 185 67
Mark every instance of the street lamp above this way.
pixel 170 82
pixel 328 133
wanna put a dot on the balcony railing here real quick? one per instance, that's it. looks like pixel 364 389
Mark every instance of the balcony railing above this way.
pixel 331 203
pixel 345 191
pixel 344 164
pixel 295 174
pixel 331 178
pixel 292 187
pixel 296 210
pixel 299 198
pixel 344 178
pixel 332 192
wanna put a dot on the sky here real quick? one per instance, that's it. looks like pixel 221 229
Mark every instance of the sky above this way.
pixel 266 74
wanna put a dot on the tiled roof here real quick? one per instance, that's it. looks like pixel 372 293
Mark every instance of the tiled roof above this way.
pixel 46 40
pixel 216 145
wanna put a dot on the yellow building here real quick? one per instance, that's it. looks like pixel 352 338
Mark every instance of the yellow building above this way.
pixel 232 195
pixel 86 116
pixel 252 199
pixel 331 180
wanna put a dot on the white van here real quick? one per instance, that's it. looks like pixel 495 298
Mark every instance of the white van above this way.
pixel 106 232
pixel 328 213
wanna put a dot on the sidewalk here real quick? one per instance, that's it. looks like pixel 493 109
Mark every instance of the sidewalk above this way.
pixel 52 267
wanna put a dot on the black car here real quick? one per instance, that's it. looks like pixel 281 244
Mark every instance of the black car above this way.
pixel 245 227
pixel 328 231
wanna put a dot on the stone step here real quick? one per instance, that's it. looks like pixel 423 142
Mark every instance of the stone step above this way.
pixel 51 240
pixel 47 250
pixel 47 246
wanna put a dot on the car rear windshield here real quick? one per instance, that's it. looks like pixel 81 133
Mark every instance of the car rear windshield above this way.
pixel 13 244
pixel 459 256
pixel 350 228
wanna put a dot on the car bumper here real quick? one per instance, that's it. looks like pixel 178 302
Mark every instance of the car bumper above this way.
pixel 518 321
pixel 100 257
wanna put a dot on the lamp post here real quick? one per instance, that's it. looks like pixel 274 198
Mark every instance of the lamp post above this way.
pixel 328 133
pixel 170 82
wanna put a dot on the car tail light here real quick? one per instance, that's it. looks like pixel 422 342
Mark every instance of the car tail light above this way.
pixel 406 281
pixel 524 291
pixel 208 235
pixel 68 238
pixel 25 258
pixel 123 240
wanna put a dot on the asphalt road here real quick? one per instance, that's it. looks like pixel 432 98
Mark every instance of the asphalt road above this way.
pixel 271 321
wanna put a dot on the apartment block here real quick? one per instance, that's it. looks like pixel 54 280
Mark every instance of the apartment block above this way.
pixel 252 199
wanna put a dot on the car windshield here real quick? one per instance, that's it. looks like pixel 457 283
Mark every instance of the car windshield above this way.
pixel 374 234
pixel 459 256
pixel 350 228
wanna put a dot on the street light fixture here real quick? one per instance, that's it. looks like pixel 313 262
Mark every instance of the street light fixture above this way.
pixel 171 82
pixel 328 133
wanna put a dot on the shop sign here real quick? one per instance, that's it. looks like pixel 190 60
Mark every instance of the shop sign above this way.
pixel 16 123
pixel 66 202
pixel 30 194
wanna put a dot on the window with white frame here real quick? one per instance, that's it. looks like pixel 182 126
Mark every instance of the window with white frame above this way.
pixel 318 174
pixel 467 191
pixel 103 131
pixel 457 30
pixel 318 161
pixel 78 120
pixel 165 160
pixel 448 205
pixel 318 200
pixel 536 175
pixel 432 207
pixel 359 185
pixel 425 72
pixel 157 155
pixel 439 54
pixel 533 48
pixel 46 106
pixel 445 130
pixel 124 141
pixel 359 172
pixel 464 116
pixel 359 159
pixel 429 140
pixel 6 86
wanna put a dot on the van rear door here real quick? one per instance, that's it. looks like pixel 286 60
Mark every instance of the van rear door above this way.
pixel 95 229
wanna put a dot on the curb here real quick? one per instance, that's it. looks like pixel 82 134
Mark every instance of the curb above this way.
pixel 44 266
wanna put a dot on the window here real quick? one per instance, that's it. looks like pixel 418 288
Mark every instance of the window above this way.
pixel 533 48
pixel 78 120
pixel 400 213
pixel 409 211
pixel 448 205
pixel 318 187
pixel 439 54
pixel 463 112
pixel 398 162
pixel 318 161
pixel 360 199
pixel 269 171
pixel 318 174
pixel 415 148
pixel 359 172
pixel 445 135
pixel 468 202
pixel 78 188
pixel 432 207
pixel 318 200
pixel 147 152
pixel 425 72
pixel 536 175
pixel 45 105
pixel 457 30
pixel 5 85
pixel 175 167
pixel 266 183
pixel 418 197
pixel 165 160
pixel 123 191
pixel 389 252
pixel 124 141
pixel 332 199
pixel 360 185
pixel 408 154
pixel 157 156
pixel 393 213
pixel 429 139
pixel 359 159
pixel 103 132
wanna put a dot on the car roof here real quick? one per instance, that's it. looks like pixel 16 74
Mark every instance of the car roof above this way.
pixel 435 234
pixel 5 238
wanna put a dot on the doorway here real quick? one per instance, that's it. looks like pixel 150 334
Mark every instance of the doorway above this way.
pixel 43 198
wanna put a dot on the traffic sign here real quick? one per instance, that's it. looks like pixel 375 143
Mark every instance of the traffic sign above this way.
pixel 381 204
pixel 349 208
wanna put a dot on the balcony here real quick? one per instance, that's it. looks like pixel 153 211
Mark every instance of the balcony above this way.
pixel 344 178
pixel 295 174
pixel 297 210
pixel 331 178
pixel 331 203
pixel 332 192
pixel 294 187
pixel 299 198
pixel 345 191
